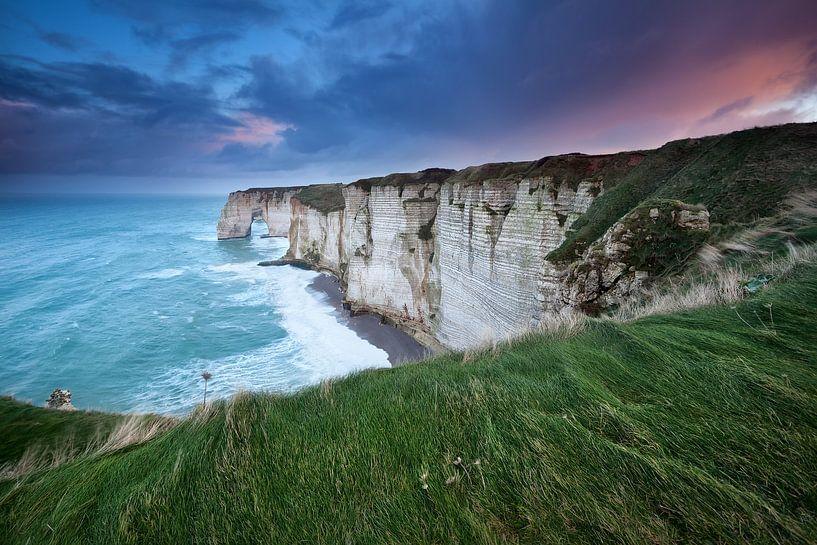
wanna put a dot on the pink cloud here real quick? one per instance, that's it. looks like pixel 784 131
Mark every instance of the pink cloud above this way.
pixel 254 131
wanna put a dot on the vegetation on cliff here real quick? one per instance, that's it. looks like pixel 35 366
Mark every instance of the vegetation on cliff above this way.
pixel 698 426
pixel 325 198
pixel 427 176
pixel 739 177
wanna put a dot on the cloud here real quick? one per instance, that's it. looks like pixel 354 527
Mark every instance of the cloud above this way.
pixel 62 40
pixel 191 28
pixel 355 12
pixel 109 90
pixel 364 88
pixel 738 105
pixel 493 75
pixel 204 13
pixel 185 48
pixel 101 118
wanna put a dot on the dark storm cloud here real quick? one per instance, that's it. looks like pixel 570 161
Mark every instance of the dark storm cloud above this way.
pixel 205 13
pixel 512 64
pixel 382 86
pixel 106 89
pixel 62 40
pixel 80 117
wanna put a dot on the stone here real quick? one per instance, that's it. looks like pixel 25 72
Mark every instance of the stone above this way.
pixel 61 400
pixel 606 274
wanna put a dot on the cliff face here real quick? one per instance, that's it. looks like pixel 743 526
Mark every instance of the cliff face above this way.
pixel 492 239
pixel 462 258
pixel 454 258
pixel 243 207
pixel 391 253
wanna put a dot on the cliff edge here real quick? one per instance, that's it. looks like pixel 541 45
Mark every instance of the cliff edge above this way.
pixel 462 258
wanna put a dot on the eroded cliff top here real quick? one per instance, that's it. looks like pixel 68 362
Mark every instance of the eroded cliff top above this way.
pixel 278 191
pixel 429 175
pixel 571 168
pixel 323 197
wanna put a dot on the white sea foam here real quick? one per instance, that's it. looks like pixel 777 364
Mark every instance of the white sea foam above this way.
pixel 179 388
pixel 163 274
pixel 331 348
pixel 315 348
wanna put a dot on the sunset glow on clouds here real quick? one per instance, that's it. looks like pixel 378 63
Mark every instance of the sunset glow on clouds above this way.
pixel 249 91
pixel 256 131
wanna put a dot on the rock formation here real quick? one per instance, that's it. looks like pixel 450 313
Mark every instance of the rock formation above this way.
pixel 455 258
pixel 243 207
pixel 61 400
pixel 487 252
pixel 647 242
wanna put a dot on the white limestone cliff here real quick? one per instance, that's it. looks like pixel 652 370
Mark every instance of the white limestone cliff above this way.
pixel 492 239
pixel 243 207
pixel 456 260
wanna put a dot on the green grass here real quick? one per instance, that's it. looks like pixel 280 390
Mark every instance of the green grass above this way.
pixel 325 198
pixel 24 426
pixel 739 177
pixel 693 427
pixel 427 176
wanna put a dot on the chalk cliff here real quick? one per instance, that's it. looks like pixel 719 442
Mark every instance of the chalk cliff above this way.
pixel 481 254
pixel 243 207
pixel 455 258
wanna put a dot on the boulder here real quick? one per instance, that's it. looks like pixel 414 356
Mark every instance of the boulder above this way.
pixel 61 400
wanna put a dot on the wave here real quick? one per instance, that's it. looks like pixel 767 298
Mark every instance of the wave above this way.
pixel 316 347
pixel 179 388
pixel 163 274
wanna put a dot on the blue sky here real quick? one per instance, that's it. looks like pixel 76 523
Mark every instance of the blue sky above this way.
pixel 215 95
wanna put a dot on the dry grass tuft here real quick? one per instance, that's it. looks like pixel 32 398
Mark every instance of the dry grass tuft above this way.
pixel 563 325
pixel 132 430
pixel 718 286
pixel 798 211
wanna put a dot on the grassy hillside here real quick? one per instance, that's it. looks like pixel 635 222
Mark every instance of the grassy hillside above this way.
pixel 24 427
pixel 739 177
pixel 696 427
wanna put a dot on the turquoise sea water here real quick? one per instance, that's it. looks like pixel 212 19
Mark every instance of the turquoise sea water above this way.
pixel 126 300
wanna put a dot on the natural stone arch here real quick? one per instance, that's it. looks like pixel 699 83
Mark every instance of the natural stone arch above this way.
pixel 271 205
pixel 259 217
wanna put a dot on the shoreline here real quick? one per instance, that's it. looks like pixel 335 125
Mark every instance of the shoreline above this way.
pixel 399 345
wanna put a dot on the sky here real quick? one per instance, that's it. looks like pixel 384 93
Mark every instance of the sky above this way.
pixel 209 96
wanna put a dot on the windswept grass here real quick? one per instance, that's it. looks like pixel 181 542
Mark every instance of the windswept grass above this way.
pixel 36 439
pixel 698 426
pixel 739 177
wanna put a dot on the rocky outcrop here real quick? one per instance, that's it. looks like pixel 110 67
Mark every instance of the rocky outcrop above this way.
pixel 651 240
pixel 243 207
pixel 61 400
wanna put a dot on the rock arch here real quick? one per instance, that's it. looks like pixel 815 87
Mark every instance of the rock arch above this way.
pixel 272 205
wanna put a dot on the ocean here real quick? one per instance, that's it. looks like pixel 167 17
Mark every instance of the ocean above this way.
pixel 125 301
